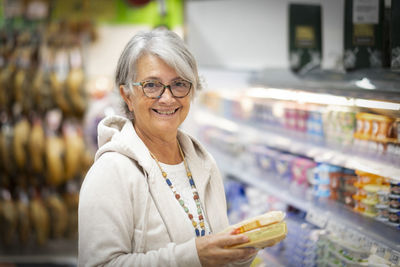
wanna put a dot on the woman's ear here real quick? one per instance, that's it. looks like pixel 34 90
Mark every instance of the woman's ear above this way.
pixel 126 97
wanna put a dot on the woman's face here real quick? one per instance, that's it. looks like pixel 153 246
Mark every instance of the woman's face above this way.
pixel 162 116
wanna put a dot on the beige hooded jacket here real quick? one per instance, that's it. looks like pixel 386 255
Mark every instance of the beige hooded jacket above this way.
pixel 128 215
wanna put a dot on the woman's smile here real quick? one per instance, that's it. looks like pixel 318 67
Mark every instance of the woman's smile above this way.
pixel 166 112
pixel 157 116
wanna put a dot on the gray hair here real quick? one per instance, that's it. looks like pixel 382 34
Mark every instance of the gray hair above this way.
pixel 165 44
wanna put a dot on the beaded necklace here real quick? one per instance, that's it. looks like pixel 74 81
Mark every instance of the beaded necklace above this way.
pixel 178 197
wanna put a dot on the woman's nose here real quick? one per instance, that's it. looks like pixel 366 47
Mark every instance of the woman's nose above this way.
pixel 167 95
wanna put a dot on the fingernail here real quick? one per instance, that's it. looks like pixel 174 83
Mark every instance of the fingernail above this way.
pixel 245 238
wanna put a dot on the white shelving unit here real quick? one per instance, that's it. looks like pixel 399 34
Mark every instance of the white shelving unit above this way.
pixel 320 212
pixel 62 252
pixel 302 147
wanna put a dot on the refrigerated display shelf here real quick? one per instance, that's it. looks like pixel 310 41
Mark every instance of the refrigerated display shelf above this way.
pixel 321 212
pixel 318 152
pixel 55 252
pixel 379 84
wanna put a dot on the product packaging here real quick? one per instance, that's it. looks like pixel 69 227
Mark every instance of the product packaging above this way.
pixel 305 45
pixel 363 34
pixel 263 231
pixel 395 35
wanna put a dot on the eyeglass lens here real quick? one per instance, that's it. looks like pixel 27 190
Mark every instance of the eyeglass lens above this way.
pixel 179 88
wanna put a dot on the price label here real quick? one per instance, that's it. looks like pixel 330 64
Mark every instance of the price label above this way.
pixel 374 248
pixel 387 254
pixel 381 251
pixel 395 258
pixel 368 245
pixel 317 218
pixel 361 240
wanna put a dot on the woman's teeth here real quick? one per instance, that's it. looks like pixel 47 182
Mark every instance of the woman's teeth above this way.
pixel 167 112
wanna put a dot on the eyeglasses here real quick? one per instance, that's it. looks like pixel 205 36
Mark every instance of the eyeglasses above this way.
pixel 155 89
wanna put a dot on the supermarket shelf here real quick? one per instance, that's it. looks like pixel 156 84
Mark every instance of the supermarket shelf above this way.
pixel 382 83
pixel 320 211
pixel 288 143
pixel 60 252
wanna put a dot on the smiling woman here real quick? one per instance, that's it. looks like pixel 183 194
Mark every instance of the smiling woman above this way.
pixel 154 196
pixel 156 118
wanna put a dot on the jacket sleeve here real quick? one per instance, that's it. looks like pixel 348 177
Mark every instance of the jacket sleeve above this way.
pixel 106 221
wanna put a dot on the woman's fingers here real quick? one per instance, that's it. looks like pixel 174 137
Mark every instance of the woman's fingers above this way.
pixel 213 250
pixel 228 240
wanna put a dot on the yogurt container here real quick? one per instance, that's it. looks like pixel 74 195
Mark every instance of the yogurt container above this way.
pixel 395 187
pixel 383 197
pixel 394 215
pixel 394 201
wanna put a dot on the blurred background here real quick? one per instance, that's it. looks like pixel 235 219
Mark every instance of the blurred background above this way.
pixel 300 108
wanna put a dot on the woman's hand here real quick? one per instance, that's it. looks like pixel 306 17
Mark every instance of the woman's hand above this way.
pixel 213 251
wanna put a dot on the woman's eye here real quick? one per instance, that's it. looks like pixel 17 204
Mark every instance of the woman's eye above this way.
pixel 180 84
pixel 149 84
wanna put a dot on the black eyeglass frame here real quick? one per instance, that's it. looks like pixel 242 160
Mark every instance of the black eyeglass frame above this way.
pixel 163 90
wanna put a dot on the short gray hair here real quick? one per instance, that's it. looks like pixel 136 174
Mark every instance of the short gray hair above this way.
pixel 165 44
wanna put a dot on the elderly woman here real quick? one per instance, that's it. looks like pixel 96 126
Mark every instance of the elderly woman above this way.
pixel 154 195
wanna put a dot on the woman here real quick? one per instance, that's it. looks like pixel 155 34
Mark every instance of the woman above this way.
pixel 154 196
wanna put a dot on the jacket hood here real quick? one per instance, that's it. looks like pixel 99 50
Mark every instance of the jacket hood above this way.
pixel 117 134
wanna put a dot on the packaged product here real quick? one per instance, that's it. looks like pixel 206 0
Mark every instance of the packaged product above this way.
pixel 283 166
pixel 305 35
pixel 363 33
pixel 302 169
pixel 263 231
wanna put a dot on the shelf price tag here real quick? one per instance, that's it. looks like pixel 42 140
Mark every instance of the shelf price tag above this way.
pixel 395 258
pixel 319 219
pixel 374 248
pixel 369 245
pixel 387 255
pixel 381 251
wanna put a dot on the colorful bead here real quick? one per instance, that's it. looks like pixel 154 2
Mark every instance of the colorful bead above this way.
pixel 178 197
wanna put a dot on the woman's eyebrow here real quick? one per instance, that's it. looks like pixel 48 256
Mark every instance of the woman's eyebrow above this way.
pixel 151 78
pixel 158 78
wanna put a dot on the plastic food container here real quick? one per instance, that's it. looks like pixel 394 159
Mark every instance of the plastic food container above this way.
pixel 383 212
pixel 368 178
pixel 373 126
pixel 383 196
pixel 394 201
pixel 371 199
pixel 302 168
pixel 364 126
pixel 265 157
pixel 394 215
pixel 283 165
pixel 395 187
pixel 381 126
